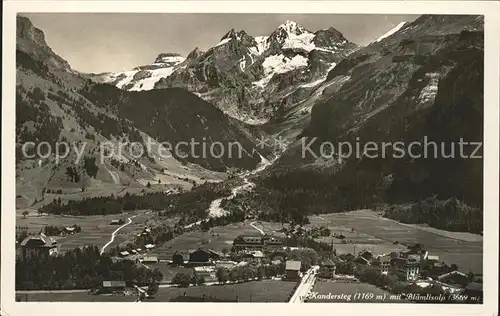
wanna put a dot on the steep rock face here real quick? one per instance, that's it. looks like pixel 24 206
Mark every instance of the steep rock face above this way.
pixel 248 77
pixel 33 53
pixel 423 81
pixel 194 55
pixel 31 40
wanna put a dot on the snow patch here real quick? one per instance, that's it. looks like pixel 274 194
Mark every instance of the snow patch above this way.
pixel 313 84
pixel 331 50
pixel 243 63
pixel 320 80
pixel 224 41
pixel 127 78
pixel 428 93
pixel 394 30
pixel 303 41
pixel 262 45
pixel 154 76
pixel 277 64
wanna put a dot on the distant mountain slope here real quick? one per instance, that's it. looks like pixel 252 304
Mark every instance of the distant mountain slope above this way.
pixel 425 80
pixel 391 31
pixel 55 103
pixel 177 116
pixel 249 78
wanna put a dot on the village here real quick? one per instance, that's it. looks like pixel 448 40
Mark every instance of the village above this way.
pixel 288 255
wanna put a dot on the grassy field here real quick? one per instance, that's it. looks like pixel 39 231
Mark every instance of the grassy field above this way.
pixel 257 291
pixel 355 240
pixel 217 238
pixel 95 229
pixel 170 271
pixel 458 248
pixel 371 293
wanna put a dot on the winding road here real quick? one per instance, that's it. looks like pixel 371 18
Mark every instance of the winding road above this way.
pixel 113 235
pixel 305 286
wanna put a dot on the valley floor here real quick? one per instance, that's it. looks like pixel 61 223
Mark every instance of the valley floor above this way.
pixel 370 231
pixel 95 230
pixel 363 230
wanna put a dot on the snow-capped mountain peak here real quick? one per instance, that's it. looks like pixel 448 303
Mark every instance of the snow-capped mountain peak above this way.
pixel 234 35
pixel 392 31
pixel 291 35
pixel 292 27
pixel 228 35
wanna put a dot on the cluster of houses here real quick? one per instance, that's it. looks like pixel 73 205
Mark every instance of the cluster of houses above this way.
pixel 410 265
pixel 257 248
pixel 137 251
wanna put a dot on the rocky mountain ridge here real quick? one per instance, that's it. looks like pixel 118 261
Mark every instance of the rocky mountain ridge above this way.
pixel 248 78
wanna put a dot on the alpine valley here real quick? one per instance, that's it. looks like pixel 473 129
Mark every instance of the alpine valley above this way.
pixel 293 86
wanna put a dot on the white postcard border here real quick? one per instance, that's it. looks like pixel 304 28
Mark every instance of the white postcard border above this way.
pixel 491 10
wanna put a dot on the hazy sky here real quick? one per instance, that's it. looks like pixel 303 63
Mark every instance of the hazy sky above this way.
pixel 100 42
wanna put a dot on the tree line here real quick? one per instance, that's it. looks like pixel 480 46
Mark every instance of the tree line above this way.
pixel 80 268
pixel 451 215
pixel 236 274
pixel 192 204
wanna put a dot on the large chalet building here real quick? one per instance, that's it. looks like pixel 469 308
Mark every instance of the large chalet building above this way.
pixel 38 245
pixel 256 242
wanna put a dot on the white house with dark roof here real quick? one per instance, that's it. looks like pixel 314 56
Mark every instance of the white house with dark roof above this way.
pixel 292 268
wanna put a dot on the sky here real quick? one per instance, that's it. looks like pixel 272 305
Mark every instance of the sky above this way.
pixel 110 42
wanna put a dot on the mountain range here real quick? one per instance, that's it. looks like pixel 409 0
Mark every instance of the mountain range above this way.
pixel 423 78
pixel 249 78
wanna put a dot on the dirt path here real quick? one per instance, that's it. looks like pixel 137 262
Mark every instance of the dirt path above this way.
pixel 113 235
pixel 115 176
pixel 257 228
